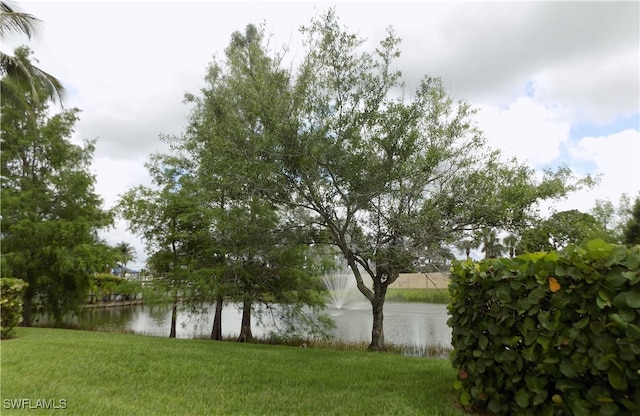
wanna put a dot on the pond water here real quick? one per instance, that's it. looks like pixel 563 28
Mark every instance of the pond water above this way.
pixel 417 325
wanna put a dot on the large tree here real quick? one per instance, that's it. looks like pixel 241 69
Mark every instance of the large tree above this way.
pixel 387 176
pixel 261 252
pixel 390 175
pixel 50 211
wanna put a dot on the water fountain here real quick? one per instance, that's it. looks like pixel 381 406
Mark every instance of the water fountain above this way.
pixel 341 286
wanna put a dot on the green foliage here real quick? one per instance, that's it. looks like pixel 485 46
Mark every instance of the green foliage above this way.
pixel 11 292
pixel 548 333
pixel 388 178
pixel 212 233
pixel 632 227
pixel 125 252
pixel 613 217
pixel 560 229
pixel 105 287
pixel 50 212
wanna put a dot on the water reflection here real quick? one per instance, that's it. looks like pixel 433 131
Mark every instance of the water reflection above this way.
pixel 410 324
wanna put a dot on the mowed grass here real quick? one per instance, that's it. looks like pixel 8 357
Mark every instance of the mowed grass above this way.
pixel 418 295
pixel 99 373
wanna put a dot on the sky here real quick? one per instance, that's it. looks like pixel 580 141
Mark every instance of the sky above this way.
pixel 554 83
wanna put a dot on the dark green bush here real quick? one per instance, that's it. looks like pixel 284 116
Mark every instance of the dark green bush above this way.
pixel 11 293
pixel 549 333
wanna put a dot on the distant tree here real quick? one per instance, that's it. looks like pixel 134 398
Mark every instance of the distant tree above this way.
pixel 559 230
pixel 488 240
pixel 466 245
pixel 613 218
pixel 632 227
pixel 18 73
pixel 50 213
pixel 126 252
pixel 510 244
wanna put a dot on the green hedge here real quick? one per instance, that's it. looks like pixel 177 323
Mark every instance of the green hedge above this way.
pixel 549 333
pixel 107 287
pixel 11 293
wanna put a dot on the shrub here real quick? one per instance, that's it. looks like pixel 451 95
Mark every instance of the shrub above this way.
pixel 549 333
pixel 11 293
pixel 107 287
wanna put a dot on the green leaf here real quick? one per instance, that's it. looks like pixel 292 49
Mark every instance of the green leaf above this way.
pixel 580 408
pixel 503 294
pixel 618 255
pixel 632 277
pixel 601 303
pixel 630 299
pixel 619 320
pixel 616 279
pixel 568 368
pixel 596 244
pixel 465 398
pixel 544 341
pixel 602 363
pixel 609 409
pixel 617 379
pixel 522 398
pixel 582 323
pixel 633 331
pixel 633 260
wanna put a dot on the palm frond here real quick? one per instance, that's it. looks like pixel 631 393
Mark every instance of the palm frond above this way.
pixel 28 76
pixel 13 21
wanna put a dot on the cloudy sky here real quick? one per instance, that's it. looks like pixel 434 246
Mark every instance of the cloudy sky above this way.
pixel 555 83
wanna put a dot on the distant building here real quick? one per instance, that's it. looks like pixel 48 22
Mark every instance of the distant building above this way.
pixel 129 274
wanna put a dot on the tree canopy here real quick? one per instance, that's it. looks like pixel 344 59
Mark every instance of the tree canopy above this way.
pixel 559 230
pixel 50 211
pixel 390 177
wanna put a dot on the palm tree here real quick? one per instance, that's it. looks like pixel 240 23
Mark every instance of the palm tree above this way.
pixel 125 252
pixel 510 243
pixel 467 245
pixel 490 243
pixel 18 73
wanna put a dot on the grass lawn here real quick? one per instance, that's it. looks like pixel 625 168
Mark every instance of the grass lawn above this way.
pixel 418 295
pixel 97 373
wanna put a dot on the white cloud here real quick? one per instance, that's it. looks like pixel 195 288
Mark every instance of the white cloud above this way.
pixel 115 177
pixel 617 160
pixel 526 129
pixel 127 66
pixel 595 88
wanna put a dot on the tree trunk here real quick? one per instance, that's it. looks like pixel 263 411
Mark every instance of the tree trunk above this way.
pixel 26 310
pixel 245 327
pixel 377 303
pixel 174 318
pixel 216 331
